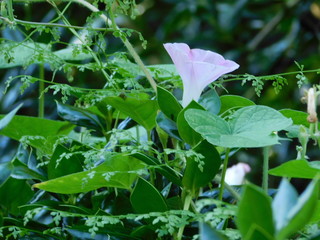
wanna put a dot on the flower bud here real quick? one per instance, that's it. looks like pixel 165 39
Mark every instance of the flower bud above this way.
pixel 235 175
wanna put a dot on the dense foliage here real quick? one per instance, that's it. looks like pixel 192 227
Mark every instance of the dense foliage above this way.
pixel 95 144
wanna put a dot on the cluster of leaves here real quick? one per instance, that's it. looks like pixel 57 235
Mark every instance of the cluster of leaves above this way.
pixel 125 162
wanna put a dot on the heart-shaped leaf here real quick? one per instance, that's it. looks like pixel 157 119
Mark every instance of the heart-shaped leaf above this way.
pixel 298 117
pixel 233 102
pixel 252 126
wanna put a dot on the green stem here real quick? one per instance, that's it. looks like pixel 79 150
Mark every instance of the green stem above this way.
pixel 223 175
pixel 186 205
pixel 66 22
pixel 41 93
pixel 138 134
pixel 28 230
pixel 111 22
pixel 33 24
pixel 10 10
pixel 232 191
pixel 304 150
pixel 265 179
pixel 140 64
pixel 267 77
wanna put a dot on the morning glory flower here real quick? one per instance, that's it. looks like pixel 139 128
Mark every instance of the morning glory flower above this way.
pixel 197 68
pixel 235 175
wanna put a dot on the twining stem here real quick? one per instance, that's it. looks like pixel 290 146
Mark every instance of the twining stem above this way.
pixel 186 206
pixel 223 175
pixel 77 35
pixel 125 41
pixel 265 179
pixel 41 93
pixel 241 77
pixel 59 25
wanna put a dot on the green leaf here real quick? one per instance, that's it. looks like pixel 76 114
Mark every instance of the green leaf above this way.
pixel 254 212
pixel 7 118
pixel 232 102
pixel 252 126
pixel 284 200
pixel 168 104
pixel 80 117
pixel 118 171
pixel 163 71
pixel 207 233
pixel 165 170
pixel 14 193
pixel 302 212
pixel 168 126
pixel 5 169
pixel 199 172
pixel 42 133
pixel 68 55
pixel 210 101
pixel 60 166
pixel 298 117
pixel 145 198
pixel 139 108
pixel 315 237
pixel 22 171
pixel 163 136
pixel 189 135
pixel 31 126
pixel 300 168
pixel 256 232
pixel 19 53
pixel 143 232
pixel 316 216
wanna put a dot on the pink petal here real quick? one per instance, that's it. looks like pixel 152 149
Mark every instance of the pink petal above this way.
pixel 206 56
pixel 197 68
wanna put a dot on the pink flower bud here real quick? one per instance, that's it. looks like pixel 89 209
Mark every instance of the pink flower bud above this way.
pixel 235 175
